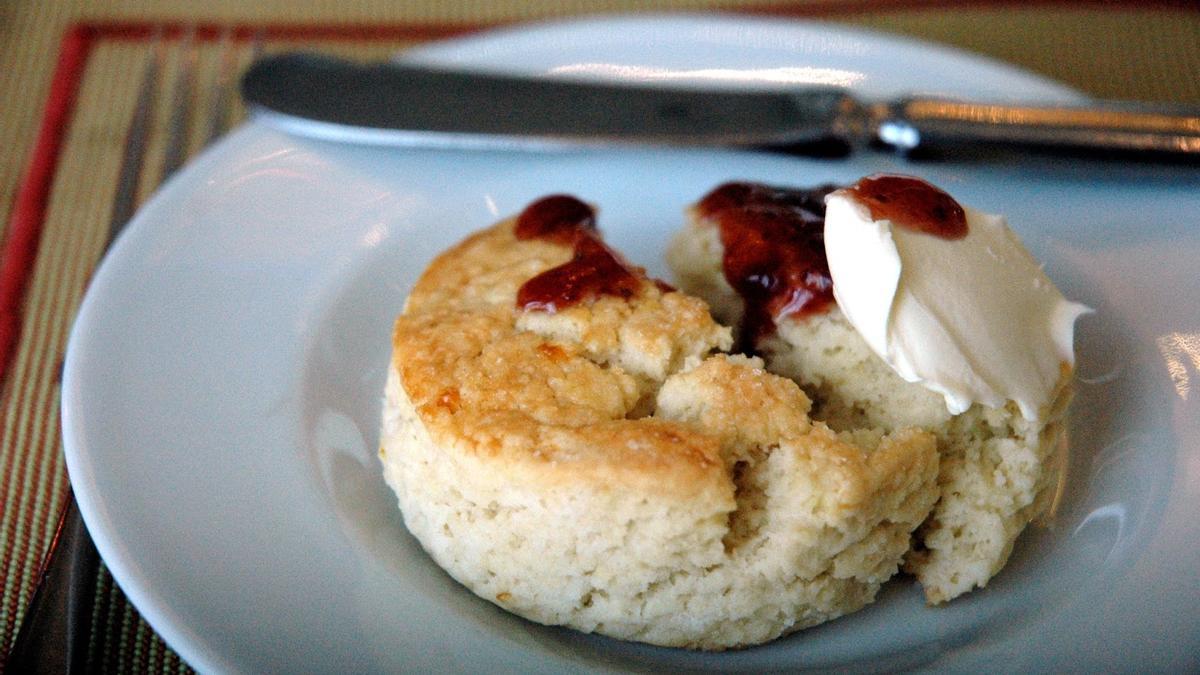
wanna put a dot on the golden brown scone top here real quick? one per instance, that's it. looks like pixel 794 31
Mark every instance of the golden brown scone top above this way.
pixel 565 395
pixel 576 396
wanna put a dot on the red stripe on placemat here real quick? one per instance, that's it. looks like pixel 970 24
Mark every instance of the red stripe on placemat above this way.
pixel 33 193
pixel 28 214
pixel 21 244
pixel 143 30
pixel 29 209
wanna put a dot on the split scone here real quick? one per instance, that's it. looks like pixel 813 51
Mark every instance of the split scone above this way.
pixel 900 308
pixel 565 442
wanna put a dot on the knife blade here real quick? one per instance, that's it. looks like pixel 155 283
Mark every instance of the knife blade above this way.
pixel 393 103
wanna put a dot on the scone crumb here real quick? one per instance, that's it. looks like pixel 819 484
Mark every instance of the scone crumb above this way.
pixel 450 399
pixel 552 351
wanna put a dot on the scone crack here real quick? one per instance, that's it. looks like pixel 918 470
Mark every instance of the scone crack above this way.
pixel 999 469
pixel 607 466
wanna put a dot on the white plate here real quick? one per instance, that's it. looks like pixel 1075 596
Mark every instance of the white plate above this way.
pixel 223 382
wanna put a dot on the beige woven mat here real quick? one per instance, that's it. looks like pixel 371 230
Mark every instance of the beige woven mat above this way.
pixel 1150 53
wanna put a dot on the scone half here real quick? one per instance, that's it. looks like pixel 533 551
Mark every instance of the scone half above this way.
pixel 998 469
pixel 599 467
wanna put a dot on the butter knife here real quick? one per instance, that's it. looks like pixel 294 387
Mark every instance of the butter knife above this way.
pixel 392 103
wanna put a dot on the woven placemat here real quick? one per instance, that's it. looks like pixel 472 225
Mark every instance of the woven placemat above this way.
pixel 66 114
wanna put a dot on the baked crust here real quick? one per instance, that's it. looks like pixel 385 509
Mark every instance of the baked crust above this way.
pixel 600 467
pixel 998 470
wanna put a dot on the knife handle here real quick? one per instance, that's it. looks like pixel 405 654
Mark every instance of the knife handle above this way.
pixel 1122 126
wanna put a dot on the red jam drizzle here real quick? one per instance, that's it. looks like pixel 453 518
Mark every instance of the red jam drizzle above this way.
pixel 774 240
pixel 592 271
pixel 774 258
pixel 557 218
pixel 913 204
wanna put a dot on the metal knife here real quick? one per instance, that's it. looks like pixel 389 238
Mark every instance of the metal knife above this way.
pixel 391 103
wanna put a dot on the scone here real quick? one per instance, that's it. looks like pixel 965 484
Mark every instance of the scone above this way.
pixel 565 441
pixel 958 332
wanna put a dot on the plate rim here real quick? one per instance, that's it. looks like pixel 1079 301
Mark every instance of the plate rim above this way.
pixel 91 503
pixel 436 51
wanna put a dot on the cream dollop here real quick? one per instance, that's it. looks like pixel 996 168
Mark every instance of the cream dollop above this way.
pixel 974 319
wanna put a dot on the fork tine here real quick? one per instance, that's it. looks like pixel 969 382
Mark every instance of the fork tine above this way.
pixel 133 156
pixel 181 106
pixel 219 88
pixel 257 50
pixel 55 632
